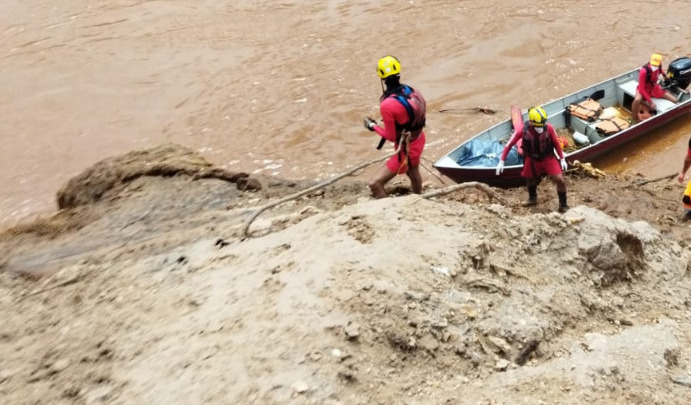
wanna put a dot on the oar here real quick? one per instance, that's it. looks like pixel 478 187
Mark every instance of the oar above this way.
pixel 484 110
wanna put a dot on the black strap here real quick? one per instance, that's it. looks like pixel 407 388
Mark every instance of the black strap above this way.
pixel 400 94
pixel 408 108
pixel 613 122
pixel 397 93
pixel 649 73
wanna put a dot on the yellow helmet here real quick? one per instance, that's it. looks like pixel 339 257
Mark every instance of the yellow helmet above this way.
pixel 388 66
pixel 655 59
pixel 537 116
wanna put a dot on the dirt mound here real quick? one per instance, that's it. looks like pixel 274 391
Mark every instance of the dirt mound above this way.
pixel 110 175
pixel 85 198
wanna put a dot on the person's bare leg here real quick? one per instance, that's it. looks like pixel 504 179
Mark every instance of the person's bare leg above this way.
pixel 381 177
pixel 560 182
pixel 669 96
pixel 415 179
pixel 636 106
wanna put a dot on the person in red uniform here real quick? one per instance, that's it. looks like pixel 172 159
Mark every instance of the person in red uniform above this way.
pixel 686 199
pixel 539 143
pixel 648 87
pixel 403 111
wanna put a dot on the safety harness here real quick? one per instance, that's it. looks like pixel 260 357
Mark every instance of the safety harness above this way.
pixel 536 146
pixel 416 106
pixel 649 72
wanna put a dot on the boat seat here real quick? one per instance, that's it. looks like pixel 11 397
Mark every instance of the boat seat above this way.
pixel 586 128
pixel 629 88
pixel 663 104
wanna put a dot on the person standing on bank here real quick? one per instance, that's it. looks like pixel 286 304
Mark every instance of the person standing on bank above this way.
pixel 648 87
pixel 403 112
pixel 539 143
pixel 686 198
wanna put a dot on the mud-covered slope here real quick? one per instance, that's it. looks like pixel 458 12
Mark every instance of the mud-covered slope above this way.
pixel 340 299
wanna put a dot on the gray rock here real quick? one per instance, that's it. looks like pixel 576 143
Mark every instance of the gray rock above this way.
pixel 684 379
pixel 502 365
pixel 352 331
pixel 60 365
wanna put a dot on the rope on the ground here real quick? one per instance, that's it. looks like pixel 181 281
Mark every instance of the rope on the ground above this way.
pixel 643 182
pixel 436 193
pixel 311 189
pixel 473 184
pixel 431 172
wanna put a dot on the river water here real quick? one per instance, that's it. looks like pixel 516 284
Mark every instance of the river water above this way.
pixel 280 87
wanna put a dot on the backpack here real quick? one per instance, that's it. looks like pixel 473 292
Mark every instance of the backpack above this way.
pixel 415 105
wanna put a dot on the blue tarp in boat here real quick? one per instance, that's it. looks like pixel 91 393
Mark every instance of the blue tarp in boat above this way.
pixel 483 153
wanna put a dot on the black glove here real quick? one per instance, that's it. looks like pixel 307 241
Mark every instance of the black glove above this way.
pixel 369 123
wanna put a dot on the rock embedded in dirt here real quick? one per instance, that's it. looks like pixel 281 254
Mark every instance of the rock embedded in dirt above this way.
pixel 352 331
pixel 347 374
pixel 300 387
pixel 502 365
pixel 60 365
pixel 683 379
pixel 526 350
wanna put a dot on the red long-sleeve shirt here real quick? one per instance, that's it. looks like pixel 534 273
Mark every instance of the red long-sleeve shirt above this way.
pixel 392 113
pixel 646 87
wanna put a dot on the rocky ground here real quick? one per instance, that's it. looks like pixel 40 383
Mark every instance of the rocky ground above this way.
pixel 144 288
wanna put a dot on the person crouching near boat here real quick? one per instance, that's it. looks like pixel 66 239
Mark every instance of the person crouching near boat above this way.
pixel 648 87
pixel 539 143
pixel 686 199
pixel 403 112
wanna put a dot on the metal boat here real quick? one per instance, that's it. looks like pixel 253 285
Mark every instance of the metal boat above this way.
pixel 476 159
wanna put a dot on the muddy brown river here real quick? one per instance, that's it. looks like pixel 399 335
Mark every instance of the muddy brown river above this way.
pixel 281 87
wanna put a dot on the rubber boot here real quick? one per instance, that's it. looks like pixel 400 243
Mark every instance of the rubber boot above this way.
pixel 532 197
pixel 563 207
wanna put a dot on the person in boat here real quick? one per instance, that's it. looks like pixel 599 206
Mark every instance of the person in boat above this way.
pixel 686 199
pixel 648 87
pixel 539 141
pixel 403 112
